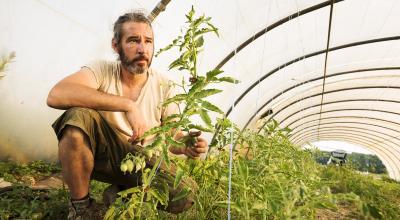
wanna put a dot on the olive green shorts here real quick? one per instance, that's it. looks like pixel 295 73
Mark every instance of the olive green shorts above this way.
pixel 109 147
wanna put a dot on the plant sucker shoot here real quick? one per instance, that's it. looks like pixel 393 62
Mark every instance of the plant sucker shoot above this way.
pixel 4 61
pixel 132 202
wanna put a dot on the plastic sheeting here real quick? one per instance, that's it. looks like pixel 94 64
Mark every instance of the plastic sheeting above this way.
pixel 276 48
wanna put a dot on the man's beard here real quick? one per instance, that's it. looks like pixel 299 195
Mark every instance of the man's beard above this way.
pixel 129 64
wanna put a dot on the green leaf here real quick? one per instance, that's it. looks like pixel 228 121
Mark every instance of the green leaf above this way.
pixel 110 213
pixel 152 131
pixel 374 211
pixel 205 117
pixel 275 124
pixel 214 29
pixel 234 205
pixel 165 155
pixel 168 126
pixel 201 128
pixel 158 196
pixel 191 13
pixel 202 31
pixel 173 44
pixel 153 171
pixel 185 55
pixel 125 193
pixel 199 42
pixel 176 63
pixel 224 122
pixel 190 111
pixel 157 142
pixel 259 206
pixel 182 194
pixel 207 92
pixel 177 98
pixel 243 170
pixel 287 130
pixel 213 73
pixel 207 105
pixel 197 22
pixel 178 177
pixel 173 142
pixel 228 79
pixel 222 204
pixel 199 85
pixel 171 117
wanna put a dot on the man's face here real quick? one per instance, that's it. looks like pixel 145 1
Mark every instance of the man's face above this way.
pixel 136 47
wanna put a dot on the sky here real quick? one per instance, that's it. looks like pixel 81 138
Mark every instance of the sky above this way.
pixel 336 145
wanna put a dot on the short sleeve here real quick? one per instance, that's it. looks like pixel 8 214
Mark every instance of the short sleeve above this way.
pixel 106 74
pixel 98 70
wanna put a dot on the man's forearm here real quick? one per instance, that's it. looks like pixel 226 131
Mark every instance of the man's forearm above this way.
pixel 69 95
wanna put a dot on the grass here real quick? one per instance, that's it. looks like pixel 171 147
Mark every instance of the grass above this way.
pixel 22 202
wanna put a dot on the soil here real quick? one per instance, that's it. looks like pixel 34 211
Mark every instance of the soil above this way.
pixel 344 211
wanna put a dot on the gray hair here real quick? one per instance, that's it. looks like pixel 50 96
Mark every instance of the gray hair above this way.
pixel 135 16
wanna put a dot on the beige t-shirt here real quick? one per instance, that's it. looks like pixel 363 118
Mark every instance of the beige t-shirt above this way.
pixel 156 90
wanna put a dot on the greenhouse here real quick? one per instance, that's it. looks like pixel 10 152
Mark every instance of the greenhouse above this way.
pixel 253 88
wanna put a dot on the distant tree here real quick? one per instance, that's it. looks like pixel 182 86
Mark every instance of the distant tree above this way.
pixel 367 163
pixel 362 162
pixel 321 157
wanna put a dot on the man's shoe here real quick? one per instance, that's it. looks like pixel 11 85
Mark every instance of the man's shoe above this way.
pixel 110 194
pixel 85 209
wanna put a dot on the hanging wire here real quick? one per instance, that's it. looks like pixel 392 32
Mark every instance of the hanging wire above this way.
pixel 10 22
pixel 86 28
pixel 230 175
pixel 390 49
pixel 362 25
pixel 231 131
pixel 326 62
pixel 302 47
pixel 296 16
pixel 262 55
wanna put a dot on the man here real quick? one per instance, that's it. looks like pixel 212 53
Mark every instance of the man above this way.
pixel 109 106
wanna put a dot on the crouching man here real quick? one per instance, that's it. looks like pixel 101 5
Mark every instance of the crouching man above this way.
pixel 110 104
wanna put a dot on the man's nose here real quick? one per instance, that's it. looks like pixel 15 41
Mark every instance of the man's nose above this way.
pixel 141 47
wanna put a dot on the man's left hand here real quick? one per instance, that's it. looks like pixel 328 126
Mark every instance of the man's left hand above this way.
pixel 195 151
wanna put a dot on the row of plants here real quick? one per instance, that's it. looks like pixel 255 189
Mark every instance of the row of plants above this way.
pixel 275 180
pixel 381 197
pixel 270 177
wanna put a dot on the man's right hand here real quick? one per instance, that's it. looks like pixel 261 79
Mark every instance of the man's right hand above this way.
pixel 137 122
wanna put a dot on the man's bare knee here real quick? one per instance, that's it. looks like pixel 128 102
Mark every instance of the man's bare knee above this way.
pixel 73 138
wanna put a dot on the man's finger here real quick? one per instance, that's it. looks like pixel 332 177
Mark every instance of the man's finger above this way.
pixel 140 132
pixel 200 150
pixel 201 142
pixel 134 135
pixel 194 133
pixel 191 153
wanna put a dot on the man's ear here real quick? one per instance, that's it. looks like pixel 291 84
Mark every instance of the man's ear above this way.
pixel 114 45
